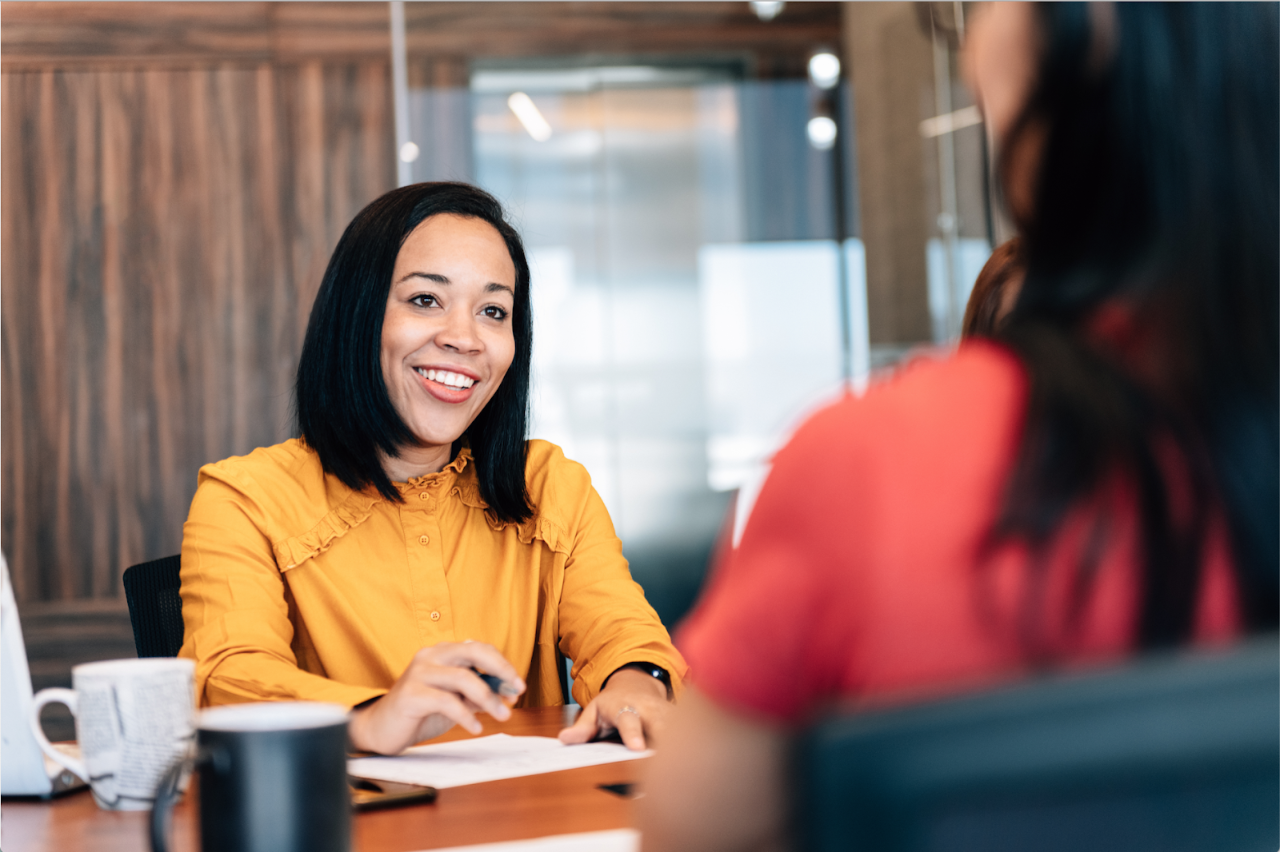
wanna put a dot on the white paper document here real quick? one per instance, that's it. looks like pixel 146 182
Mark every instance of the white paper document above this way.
pixel 491 758
pixel 618 840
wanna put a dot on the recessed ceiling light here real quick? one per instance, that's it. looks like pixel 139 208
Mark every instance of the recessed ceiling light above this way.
pixel 767 10
pixel 824 70
pixel 822 133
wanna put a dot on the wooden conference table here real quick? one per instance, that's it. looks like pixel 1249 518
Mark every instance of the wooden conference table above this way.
pixel 533 806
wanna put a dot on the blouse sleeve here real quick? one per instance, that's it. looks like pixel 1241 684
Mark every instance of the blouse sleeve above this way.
pixel 236 610
pixel 605 621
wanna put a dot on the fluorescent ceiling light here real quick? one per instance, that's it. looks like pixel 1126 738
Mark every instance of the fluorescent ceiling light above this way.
pixel 950 122
pixel 527 111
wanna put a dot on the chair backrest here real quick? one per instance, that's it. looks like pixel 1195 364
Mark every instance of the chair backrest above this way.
pixel 1172 753
pixel 155 606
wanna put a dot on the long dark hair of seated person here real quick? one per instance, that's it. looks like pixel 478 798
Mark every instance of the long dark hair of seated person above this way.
pixel 1157 194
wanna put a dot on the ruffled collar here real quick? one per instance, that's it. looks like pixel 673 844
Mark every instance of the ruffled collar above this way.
pixel 458 478
pixel 448 474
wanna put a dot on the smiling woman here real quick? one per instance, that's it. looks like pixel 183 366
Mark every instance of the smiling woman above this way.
pixel 412 537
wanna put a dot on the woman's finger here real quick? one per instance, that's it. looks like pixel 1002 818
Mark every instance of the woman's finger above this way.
pixel 585 728
pixel 630 727
pixel 480 655
pixel 446 704
pixel 467 685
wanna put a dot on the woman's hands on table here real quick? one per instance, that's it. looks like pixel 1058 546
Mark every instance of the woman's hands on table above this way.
pixel 633 703
pixel 437 691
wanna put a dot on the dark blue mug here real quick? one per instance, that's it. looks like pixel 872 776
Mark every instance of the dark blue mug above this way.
pixel 273 778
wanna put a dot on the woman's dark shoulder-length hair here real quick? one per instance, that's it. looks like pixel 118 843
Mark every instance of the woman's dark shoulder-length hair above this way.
pixel 985 310
pixel 1157 194
pixel 343 409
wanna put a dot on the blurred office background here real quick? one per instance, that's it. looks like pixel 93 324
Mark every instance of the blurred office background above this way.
pixel 733 212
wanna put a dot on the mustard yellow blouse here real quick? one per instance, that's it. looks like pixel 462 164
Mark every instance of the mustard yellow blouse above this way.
pixel 295 587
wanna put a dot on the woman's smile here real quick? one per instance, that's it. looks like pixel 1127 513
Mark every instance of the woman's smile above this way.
pixel 447 385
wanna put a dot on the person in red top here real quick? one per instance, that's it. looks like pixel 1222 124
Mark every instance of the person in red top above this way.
pixel 1100 478
pixel 862 572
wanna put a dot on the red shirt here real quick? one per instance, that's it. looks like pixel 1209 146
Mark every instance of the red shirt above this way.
pixel 859 577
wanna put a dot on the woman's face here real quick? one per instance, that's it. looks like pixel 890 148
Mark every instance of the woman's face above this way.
pixel 447 339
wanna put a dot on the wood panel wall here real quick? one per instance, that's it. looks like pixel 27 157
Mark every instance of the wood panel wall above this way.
pixel 163 233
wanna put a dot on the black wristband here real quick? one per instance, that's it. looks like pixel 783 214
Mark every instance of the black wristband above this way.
pixel 650 669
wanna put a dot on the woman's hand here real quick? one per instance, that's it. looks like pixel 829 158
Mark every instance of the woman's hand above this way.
pixel 437 691
pixel 632 703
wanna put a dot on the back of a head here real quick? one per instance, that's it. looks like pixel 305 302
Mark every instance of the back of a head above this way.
pixel 1156 201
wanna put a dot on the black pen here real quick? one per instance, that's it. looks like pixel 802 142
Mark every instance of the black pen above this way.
pixel 497 684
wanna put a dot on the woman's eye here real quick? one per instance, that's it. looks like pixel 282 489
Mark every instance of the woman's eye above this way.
pixel 424 300
pixel 495 312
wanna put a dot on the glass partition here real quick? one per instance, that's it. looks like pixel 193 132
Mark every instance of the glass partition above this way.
pixel 686 279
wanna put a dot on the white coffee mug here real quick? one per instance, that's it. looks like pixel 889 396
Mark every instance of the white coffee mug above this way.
pixel 134 719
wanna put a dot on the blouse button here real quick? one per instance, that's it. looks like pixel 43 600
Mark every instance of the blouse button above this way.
pixel 422 539
pixel 423 495
pixel 435 615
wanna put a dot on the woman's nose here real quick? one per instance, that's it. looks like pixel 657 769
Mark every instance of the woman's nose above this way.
pixel 459 332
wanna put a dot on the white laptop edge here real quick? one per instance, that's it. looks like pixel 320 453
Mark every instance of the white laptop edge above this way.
pixel 24 770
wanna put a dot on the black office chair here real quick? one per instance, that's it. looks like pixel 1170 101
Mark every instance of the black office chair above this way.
pixel 155 606
pixel 1171 754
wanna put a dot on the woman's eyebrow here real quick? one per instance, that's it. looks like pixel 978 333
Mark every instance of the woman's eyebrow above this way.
pixel 430 276
pixel 491 287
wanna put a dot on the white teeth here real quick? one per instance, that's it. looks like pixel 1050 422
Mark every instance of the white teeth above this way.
pixel 444 377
